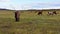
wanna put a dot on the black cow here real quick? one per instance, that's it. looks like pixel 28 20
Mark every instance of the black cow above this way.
pixel 54 12
pixel 40 13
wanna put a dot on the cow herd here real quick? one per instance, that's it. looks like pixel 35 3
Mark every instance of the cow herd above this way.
pixel 49 13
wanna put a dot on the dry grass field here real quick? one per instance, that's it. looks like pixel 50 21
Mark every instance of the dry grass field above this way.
pixel 30 23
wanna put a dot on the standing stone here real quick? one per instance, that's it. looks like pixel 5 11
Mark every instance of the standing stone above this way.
pixel 17 16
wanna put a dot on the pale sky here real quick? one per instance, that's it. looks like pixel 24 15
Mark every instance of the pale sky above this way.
pixel 29 4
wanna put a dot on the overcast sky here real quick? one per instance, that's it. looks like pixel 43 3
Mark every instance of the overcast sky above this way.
pixel 29 4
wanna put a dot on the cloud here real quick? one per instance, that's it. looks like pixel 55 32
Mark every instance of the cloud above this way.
pixel 4 3
pixel 4 0
pixel 16 5
pixel 41 6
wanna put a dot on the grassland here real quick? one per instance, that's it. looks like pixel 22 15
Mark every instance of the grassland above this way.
pixel 30 23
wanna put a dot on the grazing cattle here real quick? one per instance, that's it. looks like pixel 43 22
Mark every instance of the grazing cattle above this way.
pixel 17 16
pixel 40 13
pixel 52 13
